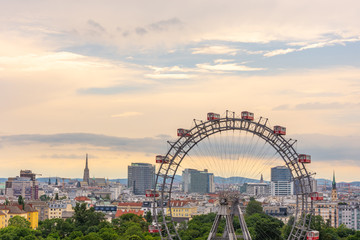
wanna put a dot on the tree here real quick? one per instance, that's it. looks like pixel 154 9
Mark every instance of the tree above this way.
pixel 253 207
pixel 148 217
pixel 264 227
pixel 44 198
pixel 18 221
pixel 56 196
pixel 21 201
pixel 86 218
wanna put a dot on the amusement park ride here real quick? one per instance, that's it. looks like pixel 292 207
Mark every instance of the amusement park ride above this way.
pixel 229 201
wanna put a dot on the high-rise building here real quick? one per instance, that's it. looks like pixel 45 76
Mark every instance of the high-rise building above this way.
pixel 198 181
pixel 281 181
pixel 86 177
pixel 141 176
pixel 25 185
pixel 280 173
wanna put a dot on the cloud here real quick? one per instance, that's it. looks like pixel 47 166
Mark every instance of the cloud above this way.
pixel 112 90
pixel 328 148
pixel 318 106
pixel 151 145
pixel 126 114
pixel 215 50
pixel 221 61
pixel 228 67
pixel 310 46
pixel 65 156
pixel 140 31
pixel 168 76
pixel 279 52
pixel 166 24
pixel 96 25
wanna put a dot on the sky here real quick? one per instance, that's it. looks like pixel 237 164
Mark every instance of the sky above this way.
pixel 115 79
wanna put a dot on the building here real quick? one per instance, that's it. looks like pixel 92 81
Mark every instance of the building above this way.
pixel 280 173
pixel 195 181
pixel 25 185
pixel 349 215
pixel 328 211
pixel 182 210
pixel 256 189
pixel 41 207
pixel 141 176
pixel 21 186
pixel 8 212
pixel 281 188
pixel 86 177
pixel 281 181
pixel 334 196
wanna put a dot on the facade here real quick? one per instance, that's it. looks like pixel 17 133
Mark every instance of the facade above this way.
pixel 281 181
pixel 328 211
pixel 21 186
pixel 349 215
pixel 25 186
pixel 42 208
pixel 56 210
pixel 141 176
pixel 281 188
pixel 8 212
pixel 195 181
pixel 256 189
pixel 182 210
pixel 280 173
pixel 86 177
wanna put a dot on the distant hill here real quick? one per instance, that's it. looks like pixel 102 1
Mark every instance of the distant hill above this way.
pixel 178 178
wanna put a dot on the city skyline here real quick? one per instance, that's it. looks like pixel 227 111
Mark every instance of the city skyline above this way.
pixel 116 80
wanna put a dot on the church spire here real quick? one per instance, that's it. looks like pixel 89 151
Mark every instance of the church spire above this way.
pixel 86 177
pixel 261 179
pixel 333 191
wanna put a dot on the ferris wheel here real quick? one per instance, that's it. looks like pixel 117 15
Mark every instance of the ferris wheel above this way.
pixel 234 148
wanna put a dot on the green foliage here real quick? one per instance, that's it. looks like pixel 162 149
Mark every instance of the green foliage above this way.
pixel 148 217
pixel 90 225
pixel 264 227
pixel 44 198
pixel 18 221
pixel 253 207
pixel 21 201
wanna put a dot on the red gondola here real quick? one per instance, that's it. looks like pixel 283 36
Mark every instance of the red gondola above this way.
pixel 247 115
pixel 316 196
pixel 162 159
pixel 213 116
pixel 303 158
pixel 183 132
pixel 151 193
pixel 153 229
pixel 312 235
pixel 279 130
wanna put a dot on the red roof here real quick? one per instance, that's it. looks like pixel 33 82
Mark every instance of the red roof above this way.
pixel 82 199
pixel 121 212
pixel 179 203
pixel 212 200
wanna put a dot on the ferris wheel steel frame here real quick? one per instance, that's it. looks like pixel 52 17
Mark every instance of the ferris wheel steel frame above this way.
pixel 203 129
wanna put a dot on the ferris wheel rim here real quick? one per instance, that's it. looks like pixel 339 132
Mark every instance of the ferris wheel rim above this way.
pixel 204 129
